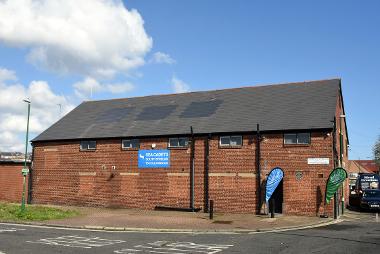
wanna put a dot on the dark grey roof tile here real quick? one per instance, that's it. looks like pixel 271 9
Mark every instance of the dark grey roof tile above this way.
pixel 292 106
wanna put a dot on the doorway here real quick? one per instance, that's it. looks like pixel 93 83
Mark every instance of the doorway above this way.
pixel 278 198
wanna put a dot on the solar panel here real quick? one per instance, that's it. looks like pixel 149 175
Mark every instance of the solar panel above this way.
pixel 201 109
pixel 156 112
pixel 113 115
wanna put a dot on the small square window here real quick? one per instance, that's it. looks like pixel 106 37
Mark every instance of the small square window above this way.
pixel 290 138
pixel 297 138
pixel 183 142
pixel 231 141
pixel 225 141
pixel 130 144
pixel 173 142
pixel 236 141
pixel 303 138
pixel 88 145
pixel 178 142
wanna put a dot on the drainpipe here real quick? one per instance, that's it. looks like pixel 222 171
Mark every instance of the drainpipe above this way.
pixel 341 154
pixel 335 164
pixel 258 157
pixel 192 170
pixel 206 175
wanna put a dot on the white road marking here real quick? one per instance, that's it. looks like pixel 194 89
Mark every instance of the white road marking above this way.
pixel 165 247
pixel 77 241
pixel 6 229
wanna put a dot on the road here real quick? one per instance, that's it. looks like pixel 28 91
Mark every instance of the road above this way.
pixel 350 236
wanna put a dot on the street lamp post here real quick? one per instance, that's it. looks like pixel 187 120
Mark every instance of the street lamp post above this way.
pixel 25 170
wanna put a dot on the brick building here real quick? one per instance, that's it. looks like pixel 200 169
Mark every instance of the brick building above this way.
pixel 220 145
pixel 11 180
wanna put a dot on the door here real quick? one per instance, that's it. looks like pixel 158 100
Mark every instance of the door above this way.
pixel 278 198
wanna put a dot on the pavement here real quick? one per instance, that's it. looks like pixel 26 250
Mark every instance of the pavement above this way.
pixel 170 221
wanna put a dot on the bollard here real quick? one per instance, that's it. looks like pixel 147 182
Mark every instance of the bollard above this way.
pixel 272 208
pixel 211 209
pixel 377 217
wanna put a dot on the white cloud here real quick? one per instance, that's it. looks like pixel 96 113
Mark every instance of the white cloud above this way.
pixel 6 75
pixel 9 141
pixel 119 87
pixel 45 111
pixel 160 57
pixel 96 38
pixel 179 86
pixel 89 86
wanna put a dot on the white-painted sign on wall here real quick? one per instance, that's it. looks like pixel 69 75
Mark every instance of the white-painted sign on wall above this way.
pixel 313 161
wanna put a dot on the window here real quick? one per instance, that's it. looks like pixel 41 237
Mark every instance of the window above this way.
pixel 88 145
pixel 228 141
pixel 178 142
pixel 130 144
pixel 297 138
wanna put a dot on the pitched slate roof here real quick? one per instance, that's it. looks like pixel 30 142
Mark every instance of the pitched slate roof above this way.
pixel 291 106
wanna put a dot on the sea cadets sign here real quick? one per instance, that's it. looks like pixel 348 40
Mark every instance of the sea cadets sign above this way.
pixel 154 158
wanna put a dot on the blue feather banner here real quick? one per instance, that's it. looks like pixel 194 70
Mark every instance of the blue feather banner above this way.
pixel 273 180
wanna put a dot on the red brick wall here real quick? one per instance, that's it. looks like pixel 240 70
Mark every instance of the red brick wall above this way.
pixel 304 196
pixel 11 181
pixel 65 175
pixel 232 176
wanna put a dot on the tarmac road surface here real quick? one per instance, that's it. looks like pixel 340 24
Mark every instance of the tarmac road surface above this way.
pixel 354 235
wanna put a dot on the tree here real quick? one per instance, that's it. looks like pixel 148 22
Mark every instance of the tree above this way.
pixel 376 151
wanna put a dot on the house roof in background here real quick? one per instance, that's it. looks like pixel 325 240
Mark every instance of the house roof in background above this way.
pixel 369 165
pixel 354 167
pixel 290 106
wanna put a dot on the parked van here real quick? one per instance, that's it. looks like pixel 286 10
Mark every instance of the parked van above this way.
pixel 364 181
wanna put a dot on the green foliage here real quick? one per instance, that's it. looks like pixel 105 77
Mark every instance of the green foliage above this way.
pixel 376 151
pixel 12 212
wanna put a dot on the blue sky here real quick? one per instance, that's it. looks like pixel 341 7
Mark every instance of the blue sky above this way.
pixel 221 44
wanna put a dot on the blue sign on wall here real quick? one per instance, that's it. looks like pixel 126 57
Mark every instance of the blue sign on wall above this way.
pixel 154 158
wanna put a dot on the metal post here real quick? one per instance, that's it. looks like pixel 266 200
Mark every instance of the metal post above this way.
pixel 211 209
pixel 25 160
pixel 30 181
pixel 335 206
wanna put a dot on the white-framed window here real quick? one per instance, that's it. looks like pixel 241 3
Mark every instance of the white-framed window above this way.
pixel 297 138
pixel 178 142
pixel 228 141
pixel 130 144
pixel 88 145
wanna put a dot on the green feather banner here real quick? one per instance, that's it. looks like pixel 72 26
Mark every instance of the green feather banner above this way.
pixel 336 178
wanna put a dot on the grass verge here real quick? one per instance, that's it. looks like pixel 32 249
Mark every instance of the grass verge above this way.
pixel 12 212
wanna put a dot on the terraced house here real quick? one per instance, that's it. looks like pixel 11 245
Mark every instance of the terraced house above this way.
pixel 183 150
